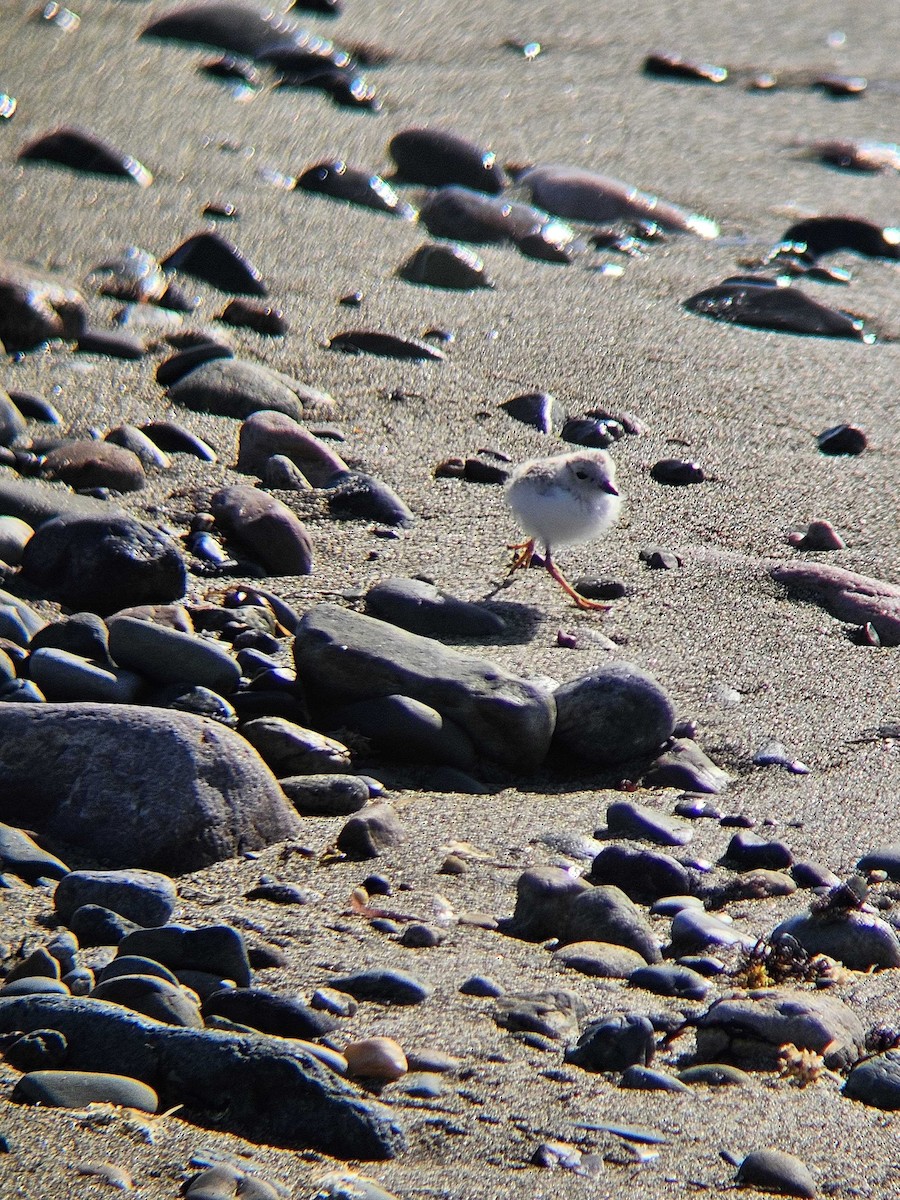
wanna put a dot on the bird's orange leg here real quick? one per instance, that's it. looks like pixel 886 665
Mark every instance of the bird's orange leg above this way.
pixel 581 601
pixel 524 556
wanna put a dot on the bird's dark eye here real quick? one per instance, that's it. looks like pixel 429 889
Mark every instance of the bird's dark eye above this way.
pixel 581 474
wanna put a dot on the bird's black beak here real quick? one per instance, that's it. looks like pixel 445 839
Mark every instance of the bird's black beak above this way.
pixel 610 488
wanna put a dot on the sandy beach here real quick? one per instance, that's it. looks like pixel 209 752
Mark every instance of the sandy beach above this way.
pixel 736 655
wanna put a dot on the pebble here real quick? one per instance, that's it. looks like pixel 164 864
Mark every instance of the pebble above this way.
pixel 626 819
pixel 42 1050
pixel 385 345
pixel 75 1089
pixel 268 433
pixel 406 729
pixel 172 369
pixel 784 309
pixel 644 875
pixel 773 754
pixel 684 765
pixel 21 855
pixel 133 439
pixel 646 1079
pixel 605 914
pixel 166 655
pixel 211 258
pixel 265 527
pixel 438 156
pixel 715 1075
pixel 217 949
pixel 37 307
pixel 481 985
pixel 384 987
pixel 695 932
pixel 356 495
pixel 231 387
pixel 776 1171
pixel 858 599
pixel 113 343
pixel 876 1081
pixel 819 535
pixel 380 1059
pixel 34 985
pixel 280 1016
pixel 353 185
pixel 668 979
pixel 152 997
pixel 326 795
pixel 748 851
pixel 81 150
pixel 442 265
pixel 541 410
pixel 677 471
pixel 859 940
pixel 251 314
pixel 62 676
pixel 169 435
pixel 145 897
pixel 601 959
pixel 553 1015
pixel 370 832
pixel 615 714
pixel 96 925
pixel 289 749
pixel 614 1044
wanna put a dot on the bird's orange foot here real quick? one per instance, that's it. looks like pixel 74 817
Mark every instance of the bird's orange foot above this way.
pixel 581 601
pixel 522 556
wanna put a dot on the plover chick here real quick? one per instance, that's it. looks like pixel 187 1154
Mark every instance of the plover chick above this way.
pixel 563 501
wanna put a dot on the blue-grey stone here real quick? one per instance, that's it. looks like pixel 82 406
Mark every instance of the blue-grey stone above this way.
pixel 145 897
pixel 615 714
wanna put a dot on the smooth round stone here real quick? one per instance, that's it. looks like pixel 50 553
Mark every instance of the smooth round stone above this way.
pixel 281 1016
pixel 18 621
pixel 96 925
pixel 356 495
pixel 136 964
pixel 601 959
pixel 695 931
pixel 24 857
pixel 76 1089
pixel 432 1062
pixel 91 464
pixel 134 439
pixel 859 940
pixel 169 656
pixel 715 1075
pixel 234 388
pixel 40 1050
pixel 747 851
pixel 813 875
pixel 289 749
pixel 666 979
pixel 218 949
pixel 377 1058
pixel 406 729
pixel 645 1079
pixel 80 981
pixel 704 964
pixel 418 936
pixel 423 1085
pixel 35 985
pixel 543 898
pixel 222 1181
pixel 267 529
pixel 62 676
pixel 326 795
pixel 370 832
pixel 614 1044
pixel 876 1082
pixel 39 964
pixel 615 714
pixel 330 1000
pixel 684 765
pixel 605 914
pixel 629 820
pixel 82 634
pixel 152 997
pixel 884 858
pixel 384 987
pixel 481 985
pixel 776 1171
pixel 668 906
pixel 203 983
pixel 423 608
pixel 268 433
pixel 14 535
pixel 279 474
pixel 643 875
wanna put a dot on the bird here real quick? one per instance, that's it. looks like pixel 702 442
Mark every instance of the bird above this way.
pixel 563 500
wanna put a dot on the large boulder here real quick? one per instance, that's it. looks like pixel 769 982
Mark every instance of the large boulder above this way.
pixel 138 787
pixel 342 656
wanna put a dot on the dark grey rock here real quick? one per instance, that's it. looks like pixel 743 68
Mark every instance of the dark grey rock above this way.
pixel 135 964
pixel 134 439
pixel 93 464
pixel 36 307
pixel 556 1015
pixel 326 795
pixel 667 979
pixel 266 528
pixel 210 794
pixel 626 819
pixel 605 914
pixel 166 655
pixel 75 1089
pixel 342 656
pixel 643 875
pixel 289 749
pixel 646 1079
pixel 145 897
pixel 84 634
pixel 265 1088
pixel 36 503
pixel 694 932
pixel 813 875
pixel 12 422
pixel 747 851
pixel 601 959
pixel 684 765
pixel 42 1050
pixel 408 730
pixel 480 985
pixel 544 896
pixel 715 1075
pixel 422 608
pixel 39 963
pixel 383 987
pixel 268 434
pixel 34 985
pixel 615 714
pixel 27 620
pixel 876 1082
pixel 280 1016
pixel 229 387
pixel 538 409
pixel 859 940
pixel 419 936
pixel 354 494
pixel 614 1044
pixel 370 832
pixel 22 856
pixel 776 1171
pixel 67 677
pixel 95 925
pixel 104 563
pixel 217 949
pixel 279 474
pixel 151 997
pixel 884 858
pixel 749 1030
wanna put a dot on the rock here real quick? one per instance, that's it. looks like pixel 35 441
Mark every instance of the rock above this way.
pixel 406 729
pixel 614 1044
pixel 538 409
pixel 445 266
pixel 419 936
pixel 268 1089
pixel 210 795
pixel 342 656
pixel 34 985
pixel 151 997
pixel 613 715
pixel 12 422
pixel 643 875
pixel 555 1015
pixel 215 949
pixel 694 932
pixel 645 1079
pixel 42 1050
pixel 859 940
pixel 170 436
pixel 842 439
pixel 95 925
pixel 356 495
pixel 747 851
pixel 884 858
pixel 136 441
pixel 340 1186
pixel 602 959
pixel 819 535
pixel 145 897
pixel 104 563
pixel 715 1075
pixel 22 856
pixel 82 150
pixel 420 607
pixel 280 1016
pixel 684 765
pixel 857 599
pixel 605 914
pixel 36 307
pixel 168 656
pixel 749 1030
pixel 213 259
pixel 75 1089
pixel 269 433
pixel 370 832
pixel 326 795
pixel 64 676
pixel 135 964
pixel 667 979
pixel 230 387
pixel 189 359
pixel 776 1171
pixel 266 528
pixel 377 1058
pixel 84 634
pixel 626 819
pixel 14 535
pixel 383 987
pixel 544 896
pixel 279 474
pixel 39 963
pixel 290 749
pixel 876 1081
